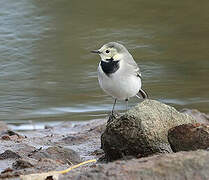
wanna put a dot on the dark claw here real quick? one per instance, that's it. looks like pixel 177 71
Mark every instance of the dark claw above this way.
pixel 113 115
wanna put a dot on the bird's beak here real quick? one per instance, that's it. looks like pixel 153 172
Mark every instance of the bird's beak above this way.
pixel 96 51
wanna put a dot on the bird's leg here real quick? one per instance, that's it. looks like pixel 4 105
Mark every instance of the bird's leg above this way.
pixel 112 115
pixel 112 112
pixel 126 104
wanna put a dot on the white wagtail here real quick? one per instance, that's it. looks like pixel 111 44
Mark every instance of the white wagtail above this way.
pixel 119 75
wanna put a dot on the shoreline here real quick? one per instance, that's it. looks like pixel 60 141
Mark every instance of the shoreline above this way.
pixel 58 147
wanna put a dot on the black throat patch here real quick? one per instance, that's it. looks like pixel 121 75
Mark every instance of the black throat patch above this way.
pixel 109 66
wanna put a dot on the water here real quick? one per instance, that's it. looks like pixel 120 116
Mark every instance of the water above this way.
pixel 47 73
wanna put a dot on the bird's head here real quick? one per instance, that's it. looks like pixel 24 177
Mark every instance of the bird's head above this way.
pixel 111 51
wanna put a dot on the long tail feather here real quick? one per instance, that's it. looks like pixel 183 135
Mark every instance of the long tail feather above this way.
pixel 143 94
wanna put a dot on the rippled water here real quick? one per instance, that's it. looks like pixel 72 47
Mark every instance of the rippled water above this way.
pixel 48 74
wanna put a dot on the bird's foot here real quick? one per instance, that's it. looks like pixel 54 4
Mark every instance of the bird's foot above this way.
pixel 113 115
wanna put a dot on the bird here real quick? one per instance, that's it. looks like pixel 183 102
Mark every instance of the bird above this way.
pixel 118 73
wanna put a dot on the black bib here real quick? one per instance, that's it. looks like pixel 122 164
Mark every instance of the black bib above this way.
pixel 109 66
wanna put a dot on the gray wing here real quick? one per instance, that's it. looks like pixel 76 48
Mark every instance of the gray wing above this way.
pixel 130 61
pixel 137 71
pixel 135 67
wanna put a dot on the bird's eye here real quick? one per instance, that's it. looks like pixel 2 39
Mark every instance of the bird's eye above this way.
pixel 107 51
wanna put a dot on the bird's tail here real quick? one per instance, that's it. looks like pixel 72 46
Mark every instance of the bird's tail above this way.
pixel 143 94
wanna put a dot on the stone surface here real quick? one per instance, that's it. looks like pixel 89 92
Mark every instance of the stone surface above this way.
pixel 191 165
pixel 22 164
pixel 197 115
pixel 63 155
pixel 8 154
pixel 142 131
pixel 9 135
pixel 189 137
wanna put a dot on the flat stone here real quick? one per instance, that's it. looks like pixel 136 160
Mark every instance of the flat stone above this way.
pixel 192 165
pixel 22 164
pixel 61 154
pixel 8 154
pixel 189 137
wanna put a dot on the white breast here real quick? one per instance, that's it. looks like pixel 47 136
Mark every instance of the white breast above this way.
pixel 122 84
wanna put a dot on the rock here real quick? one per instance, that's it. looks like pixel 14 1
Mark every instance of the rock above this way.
pixel 142 131
pixel 48 127
pixel 22 164
pixel 6 138
pixel 189 137
pixel 63 155
pixel 8 154
pixel 7 170
pixel 191 165
pixel 197 115
pixel 9 135
pixel 24 150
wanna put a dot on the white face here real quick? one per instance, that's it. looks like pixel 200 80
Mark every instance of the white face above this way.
pixel 108 53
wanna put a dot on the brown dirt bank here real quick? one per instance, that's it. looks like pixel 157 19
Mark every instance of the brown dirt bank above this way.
pixel 193 165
